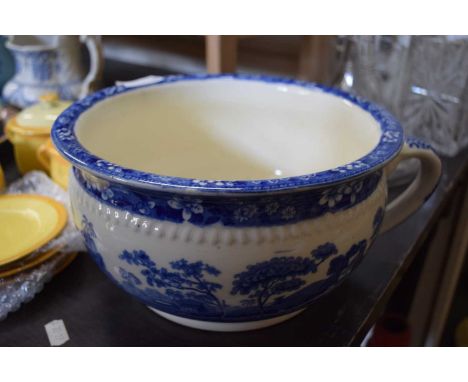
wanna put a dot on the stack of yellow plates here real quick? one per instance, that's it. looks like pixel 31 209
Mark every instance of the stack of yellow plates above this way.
pixel 27 223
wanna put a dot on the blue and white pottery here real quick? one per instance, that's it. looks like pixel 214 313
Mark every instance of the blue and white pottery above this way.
pixel 47 64
pixel 231 202
pixel 7 64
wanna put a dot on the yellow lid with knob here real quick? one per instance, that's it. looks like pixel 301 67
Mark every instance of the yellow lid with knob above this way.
pixel 31 128
pixel 43 114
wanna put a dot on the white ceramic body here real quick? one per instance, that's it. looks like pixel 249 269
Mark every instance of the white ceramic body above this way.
pixel 229 249
pixel 51 64
pixel 228 255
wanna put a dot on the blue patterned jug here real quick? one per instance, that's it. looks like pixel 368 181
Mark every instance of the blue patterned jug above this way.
pixel 51 64
pixel 7 65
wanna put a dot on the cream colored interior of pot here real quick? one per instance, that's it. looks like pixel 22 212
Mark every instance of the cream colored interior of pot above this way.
pixel 227 129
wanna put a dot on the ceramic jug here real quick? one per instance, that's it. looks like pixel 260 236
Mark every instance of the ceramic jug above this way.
pixel 47 64
pixel 7 65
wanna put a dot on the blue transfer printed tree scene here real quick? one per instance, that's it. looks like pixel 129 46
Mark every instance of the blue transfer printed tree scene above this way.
pixel 263 281
pixel 184 284
pixel 186 289
pixel 89 235
pixel 341 265
pixel 277 284
pixel 272 287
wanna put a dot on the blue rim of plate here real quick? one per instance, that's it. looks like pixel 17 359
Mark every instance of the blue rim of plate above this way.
pixel 65 140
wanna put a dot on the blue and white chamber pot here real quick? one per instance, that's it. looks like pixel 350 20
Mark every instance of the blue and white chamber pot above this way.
pixel 232 202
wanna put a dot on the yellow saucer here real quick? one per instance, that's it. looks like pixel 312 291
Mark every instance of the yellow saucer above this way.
pixel 27 222
pixel 66 262
pixel 25 265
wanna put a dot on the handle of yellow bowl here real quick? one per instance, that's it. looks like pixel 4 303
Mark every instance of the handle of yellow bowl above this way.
pixel 3 138
pixel 2 179
pixel 422 186
pixel 43 156
pixel 9 134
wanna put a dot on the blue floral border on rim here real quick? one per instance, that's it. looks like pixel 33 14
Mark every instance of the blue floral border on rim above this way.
pixel 64 138
pixel 248 210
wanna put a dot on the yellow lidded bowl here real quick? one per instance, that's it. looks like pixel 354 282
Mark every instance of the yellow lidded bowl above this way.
pixel 57 167
pixel 2 179
pixel 31 128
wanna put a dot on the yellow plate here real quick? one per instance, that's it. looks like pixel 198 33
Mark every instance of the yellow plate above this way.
pixel 27 222
pixel 31 257
pixel 25 265
pixel 66 262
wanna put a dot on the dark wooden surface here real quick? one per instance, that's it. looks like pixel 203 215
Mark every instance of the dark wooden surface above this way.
pixel 98 313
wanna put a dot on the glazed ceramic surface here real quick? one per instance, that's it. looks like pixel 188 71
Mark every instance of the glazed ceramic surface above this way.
pixel 228 135
pixel 2 179
pixel 30 261
pixel 30 130
pixel 232 202
pixel 27 222
pixel 51 63
pixel 7 64
pixel 57 167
